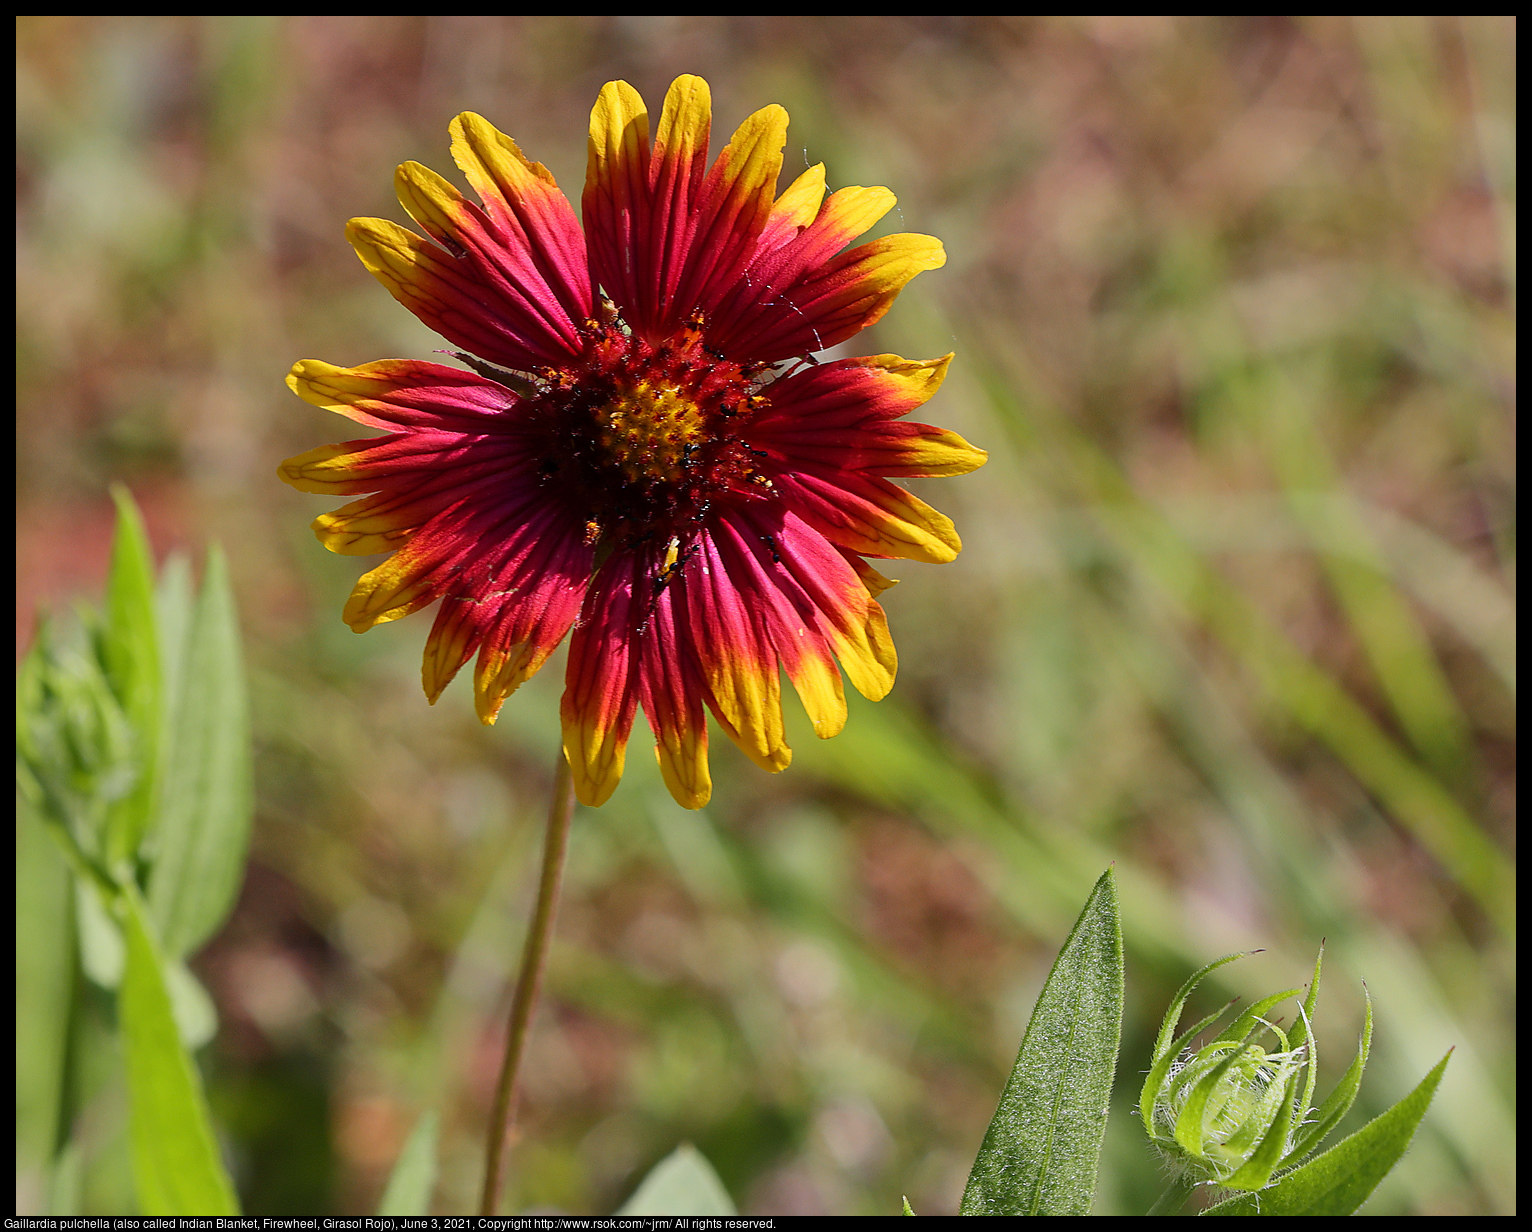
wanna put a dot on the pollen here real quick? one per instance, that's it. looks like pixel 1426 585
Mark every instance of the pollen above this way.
pixel 650 430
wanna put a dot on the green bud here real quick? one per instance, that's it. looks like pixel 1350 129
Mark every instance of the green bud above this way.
pixel 1236 1111
pixel 76 752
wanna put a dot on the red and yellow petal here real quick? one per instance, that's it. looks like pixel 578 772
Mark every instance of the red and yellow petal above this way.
pixel 432 285
pixel 523 201
pixel 666 234
pixel 615 204
pixel 734 206
pixel 797 627
pixel 513 602
pixel 845 415
pixel 671 696
pixel 499 262
pixel 406 394
pixel 833 302
pixel 383 522
pixel 737 659
pixel 599 692
pixel 465 550
pixel 347 468
pixel 541 584
pixel 793 211
pixel 851 621
pixel 866 513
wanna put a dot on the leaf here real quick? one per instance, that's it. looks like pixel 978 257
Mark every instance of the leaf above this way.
pixel 1250 1016
pixel 1303 1036
pixel 198 846
pixel 683 1183
pixel 175 1158
pixel 101 952
pixel 1340 1180
pixel 1167 1046
pixel 414 1175
pixel 1339 1101
pixel 908 1210
pixel 45 976
pixel 196 1016
pixel 1040 1154
pixel 131 657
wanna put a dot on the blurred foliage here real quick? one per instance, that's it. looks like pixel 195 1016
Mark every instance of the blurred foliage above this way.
pixel 1233 302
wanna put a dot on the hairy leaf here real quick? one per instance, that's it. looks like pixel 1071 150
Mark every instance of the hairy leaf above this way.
pixel 1039 1156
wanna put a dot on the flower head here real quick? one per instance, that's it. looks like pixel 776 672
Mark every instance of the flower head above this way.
pixel 644 450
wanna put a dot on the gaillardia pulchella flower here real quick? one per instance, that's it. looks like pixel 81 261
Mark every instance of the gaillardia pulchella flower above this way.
pixel 643 451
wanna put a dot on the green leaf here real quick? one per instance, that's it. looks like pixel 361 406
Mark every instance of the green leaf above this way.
pixel 1340 1180
pixel 175 1158
pixel 1159 1072
pixel 1339 1101
pixel 1167 1046
pixel 908 1209
pixel 414 1175
pixel 1250 1016
pixel 683 1183
pixel 131 657
pixel 101 950
pixel 1303 1036
pixel 45 975
pixel 196 1016
pixel 198 845
pixel 1039 1156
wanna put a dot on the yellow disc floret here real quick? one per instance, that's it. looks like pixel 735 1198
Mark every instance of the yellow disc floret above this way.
pixel 650 430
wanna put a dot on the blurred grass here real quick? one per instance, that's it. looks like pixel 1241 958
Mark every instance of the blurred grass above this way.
pixel 1233 302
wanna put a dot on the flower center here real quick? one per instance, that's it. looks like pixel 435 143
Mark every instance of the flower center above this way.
pixel 650 430
pixel 644 439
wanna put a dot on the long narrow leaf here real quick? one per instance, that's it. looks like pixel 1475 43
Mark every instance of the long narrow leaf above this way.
pixel 175 1158
pixel 1340 1180
pixel 1243 1025
pixel 131 657
pixel 1339 1101
pixel 1303 1036
pixel 1167 1045
pixel 198 848
pixel 1040 1154
pixel 414 1175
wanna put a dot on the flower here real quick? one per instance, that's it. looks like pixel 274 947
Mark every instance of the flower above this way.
pixel 644 450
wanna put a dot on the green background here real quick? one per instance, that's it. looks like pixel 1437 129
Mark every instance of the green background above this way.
pixel 1232 302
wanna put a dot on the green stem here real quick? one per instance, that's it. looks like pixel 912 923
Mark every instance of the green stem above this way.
pixel 1172 1199
pixel 534 958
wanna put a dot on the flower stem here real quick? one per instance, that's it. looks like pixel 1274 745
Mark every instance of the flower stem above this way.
pixel 1173 1198
pixel 534 958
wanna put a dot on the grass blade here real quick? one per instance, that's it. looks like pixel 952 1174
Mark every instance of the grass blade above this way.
pixel 1040 1154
